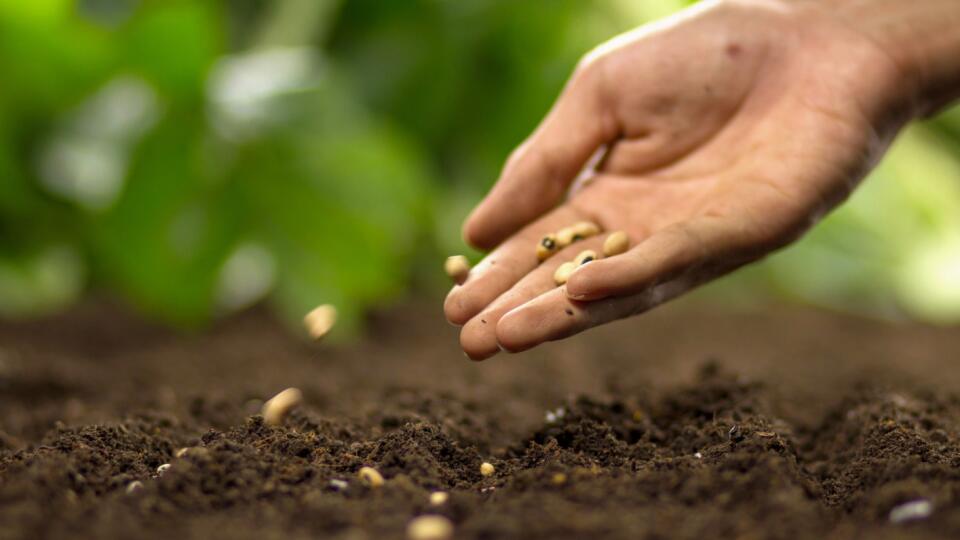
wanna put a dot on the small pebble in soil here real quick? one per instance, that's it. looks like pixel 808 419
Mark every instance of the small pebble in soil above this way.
pixel 429 528
pixel 338 485
pixel 438 498
pixel 279 406
pixel 370 476
pixel 320 320
pixel 458 268
pixel 616 244
pixel 487 469
pixel 911 511
pixel 163 468
pixel 134 487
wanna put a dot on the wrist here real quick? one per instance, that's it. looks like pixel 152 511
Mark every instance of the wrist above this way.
pixel 920 37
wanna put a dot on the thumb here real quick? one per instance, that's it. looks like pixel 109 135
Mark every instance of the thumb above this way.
pixel 539 172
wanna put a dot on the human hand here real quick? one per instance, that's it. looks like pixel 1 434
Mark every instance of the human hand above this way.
pixel 728 130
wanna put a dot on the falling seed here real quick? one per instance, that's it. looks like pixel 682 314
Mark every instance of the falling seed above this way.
pixel 910 511
pixel 457 267
pixel 279 406
pixel 438 498
pixel 370 476
pixel 430 528
pixel 562 273
pixel 163 468
pixel 320 320
pixel 546 247
pixel 584 257
pixel 615 244
pixel 134 486
pixel 487 469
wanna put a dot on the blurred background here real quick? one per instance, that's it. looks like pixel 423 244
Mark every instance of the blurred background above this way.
pixel 197 157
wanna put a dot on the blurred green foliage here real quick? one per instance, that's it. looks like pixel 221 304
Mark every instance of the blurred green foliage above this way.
pixel 196 157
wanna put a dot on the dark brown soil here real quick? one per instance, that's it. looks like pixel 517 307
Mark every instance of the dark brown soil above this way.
pixel 687 423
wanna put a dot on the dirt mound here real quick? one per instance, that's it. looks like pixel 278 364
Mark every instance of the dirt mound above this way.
pixel 719 452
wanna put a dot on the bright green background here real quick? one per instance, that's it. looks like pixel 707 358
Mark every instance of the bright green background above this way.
pixel 195 157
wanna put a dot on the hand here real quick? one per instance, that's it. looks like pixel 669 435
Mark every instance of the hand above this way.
pixel 727 130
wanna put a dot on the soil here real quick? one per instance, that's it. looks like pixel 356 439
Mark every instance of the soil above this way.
pixel 686 423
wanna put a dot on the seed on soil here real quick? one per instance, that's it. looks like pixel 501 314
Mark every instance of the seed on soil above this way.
pixel 547 247
pixel 457 267
pixel 562 273
pixel 134 486
pixel 338 484
pixel 735 434
pixel 487 469
pixel 163 468
pixel 615 244
pixel 370 476
pixel 698 455
pixel 438 498
pixel 429 528
pixel 584 257
pixel 320 320
pixel 911 511
pixel 559 479
pixel 279 406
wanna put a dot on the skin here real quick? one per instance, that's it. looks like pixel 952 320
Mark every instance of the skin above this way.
pixel 723 134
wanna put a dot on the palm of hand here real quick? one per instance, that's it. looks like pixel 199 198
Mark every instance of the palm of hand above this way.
pixel 728 132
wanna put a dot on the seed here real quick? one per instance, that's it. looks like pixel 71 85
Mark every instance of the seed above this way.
pixel 559 479
pixel 584 257
pixel 370 476
pixel 181 452
pixel 430 528
pixel 562 273
pixel 457 267
pixel 547 247
pixel 586 229
pixel 320 320
pixel 567 236
pixel 277 408
pixel 338 484
pixel 438 498
pixel 615 244
pixel 486 469
pixel 163 468
pixel 134 486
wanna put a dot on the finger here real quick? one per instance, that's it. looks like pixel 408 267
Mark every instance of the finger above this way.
pixel 553 315
pixel 676 249
pixel 478 337
pixel 505 266
pixel 539 172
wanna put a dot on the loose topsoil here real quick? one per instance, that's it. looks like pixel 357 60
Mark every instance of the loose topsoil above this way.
pixel 686 423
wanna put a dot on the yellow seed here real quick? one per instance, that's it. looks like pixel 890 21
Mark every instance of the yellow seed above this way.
pixel 370 476
pixel 547 247
pixel 584 257
pixel 615 244
pixel 566 236
pixel 279 406
pixel 586 229
pixel 134 486
pixel 559 479
pixel 429 528
pixel 457 267
pixel 181 452
pixel 486 469
pixel 562 273
pixel 320 320
pixel 438 498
